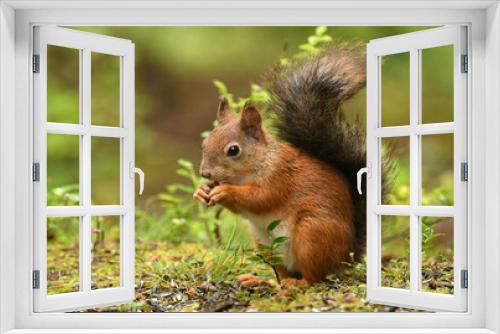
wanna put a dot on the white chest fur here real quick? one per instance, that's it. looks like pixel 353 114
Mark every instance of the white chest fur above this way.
pixel 259 224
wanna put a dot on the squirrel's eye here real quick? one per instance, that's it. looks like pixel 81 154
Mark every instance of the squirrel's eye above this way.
pixel 233 151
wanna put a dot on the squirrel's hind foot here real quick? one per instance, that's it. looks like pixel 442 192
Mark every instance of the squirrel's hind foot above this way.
pixel 287 282
pixel 251 281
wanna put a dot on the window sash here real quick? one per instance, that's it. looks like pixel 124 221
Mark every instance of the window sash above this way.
pixel 413 43
pixel 86 43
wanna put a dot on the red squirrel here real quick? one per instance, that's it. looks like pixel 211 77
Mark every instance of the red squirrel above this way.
pixel 307 176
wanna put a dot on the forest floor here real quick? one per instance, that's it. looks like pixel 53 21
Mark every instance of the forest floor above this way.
pixel 197 278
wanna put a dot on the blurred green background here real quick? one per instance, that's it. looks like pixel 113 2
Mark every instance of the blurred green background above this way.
pixel 176 101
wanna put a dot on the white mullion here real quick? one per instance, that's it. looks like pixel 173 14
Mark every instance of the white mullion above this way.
pixel 65 211
pixel 80 211
pixel 107 131
pixel 378 250
pixel 107 210
pixel 414 170
pixel 373 259
pixel 85 167
pixel 80 129
pixel 420 210
pixel 420 129
pixel 65 129
pixel 122 175
pixel 127 248
pixel 76 211
pixel 418 222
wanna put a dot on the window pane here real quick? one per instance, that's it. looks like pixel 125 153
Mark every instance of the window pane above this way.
pixel 105 171
pixel 396 177
pixel 63 251
pixel 395 248
pixel 105 252
pixel 437 254
pixel 437 84
pixel 63 170
pixel 395 87
pixel 437 169
pixel 63 82
pixel 105 89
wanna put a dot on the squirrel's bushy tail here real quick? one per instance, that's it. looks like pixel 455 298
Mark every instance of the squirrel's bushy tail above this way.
pixel 307 96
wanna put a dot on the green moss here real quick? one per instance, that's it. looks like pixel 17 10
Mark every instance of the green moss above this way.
pixel 180 279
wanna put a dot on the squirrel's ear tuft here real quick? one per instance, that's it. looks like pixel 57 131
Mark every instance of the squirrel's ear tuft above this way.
pixel 251 121
pixel 224 111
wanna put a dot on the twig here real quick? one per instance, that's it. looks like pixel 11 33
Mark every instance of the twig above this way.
pixel 276 274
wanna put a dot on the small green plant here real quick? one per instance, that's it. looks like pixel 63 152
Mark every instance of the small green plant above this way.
pixel 314 43
pixel 269 253
pixel 258 94
pixel 174 215
pixel 429 236
pixel 64 196
pixel 184 219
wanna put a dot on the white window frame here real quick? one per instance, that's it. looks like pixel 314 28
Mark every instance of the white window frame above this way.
pixel 86 44
pixel 413 44
pixel 16 21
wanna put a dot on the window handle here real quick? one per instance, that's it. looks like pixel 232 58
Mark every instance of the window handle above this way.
pixel 364 170
pixel 134 170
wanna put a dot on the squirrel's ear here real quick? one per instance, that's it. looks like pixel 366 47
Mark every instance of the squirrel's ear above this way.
pixel 251 121
pixel 224 111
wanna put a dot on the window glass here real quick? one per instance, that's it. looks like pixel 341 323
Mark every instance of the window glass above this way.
pixel 105 171
pixel 63 84
pixel 437 169
pixel 105 89
pixel 395 251
pixel 105 252
pixel 395 89
pixel 437 254
pixel 63 170
pixel 437 86
pixel 395 152
pixel 63 261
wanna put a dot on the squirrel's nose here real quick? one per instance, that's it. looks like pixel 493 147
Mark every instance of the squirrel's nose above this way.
pixel 206 174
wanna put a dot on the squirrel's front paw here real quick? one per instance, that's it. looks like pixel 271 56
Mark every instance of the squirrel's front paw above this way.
pixel 202 193
pixel 219 194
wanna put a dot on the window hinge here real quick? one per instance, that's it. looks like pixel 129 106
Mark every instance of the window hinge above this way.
pixel 464 171
pixel 464 279
pixel 465 64
pixel 36 172
pixel 36 63
pixel 36 279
